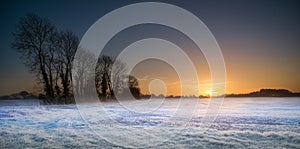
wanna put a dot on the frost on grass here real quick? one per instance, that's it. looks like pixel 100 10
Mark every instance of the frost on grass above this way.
pixel 242 123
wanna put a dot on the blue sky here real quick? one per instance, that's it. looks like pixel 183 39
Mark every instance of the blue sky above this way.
pixel 252 34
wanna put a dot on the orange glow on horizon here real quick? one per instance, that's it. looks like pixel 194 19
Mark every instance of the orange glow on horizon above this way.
pixel 243 76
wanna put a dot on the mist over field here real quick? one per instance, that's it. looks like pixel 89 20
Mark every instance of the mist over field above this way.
pixel 241 123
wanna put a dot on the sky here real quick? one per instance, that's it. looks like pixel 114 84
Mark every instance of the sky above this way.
pixel 259 41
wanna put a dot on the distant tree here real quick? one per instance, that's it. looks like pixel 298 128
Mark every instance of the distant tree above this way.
pixel 118 77
pixel 108 63
pixel 114 77
pixel 34 39
pixel 104 86
pixel 133 85
pixel 57 89
pixel 103 71
pixel 83 73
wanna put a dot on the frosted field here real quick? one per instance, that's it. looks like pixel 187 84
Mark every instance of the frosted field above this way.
pixel 241 123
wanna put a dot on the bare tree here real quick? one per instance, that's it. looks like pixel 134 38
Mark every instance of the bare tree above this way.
pixel 104 86
pixel 50 54
pixel 133 86
pixel 83 73
pixel 34 40
pixel 118 76
pixel 114 77
pixel 50 57
pixel 103 71
pixel 68 43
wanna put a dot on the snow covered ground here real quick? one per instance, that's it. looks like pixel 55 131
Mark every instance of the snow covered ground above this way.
pixel 241 123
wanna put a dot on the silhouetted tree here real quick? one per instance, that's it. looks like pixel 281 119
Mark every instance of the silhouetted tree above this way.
pixel 34 39
pixel 104 86
pixel 57 89
pixel 108 63
pixel 118 77
pixel 83 74
pixel 47 53
pixel 113 78
pixel 133 85
pixel 50 54
pixel 68 43
pixel 50 59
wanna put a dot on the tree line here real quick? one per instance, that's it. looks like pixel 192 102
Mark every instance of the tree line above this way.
pixel 49 53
